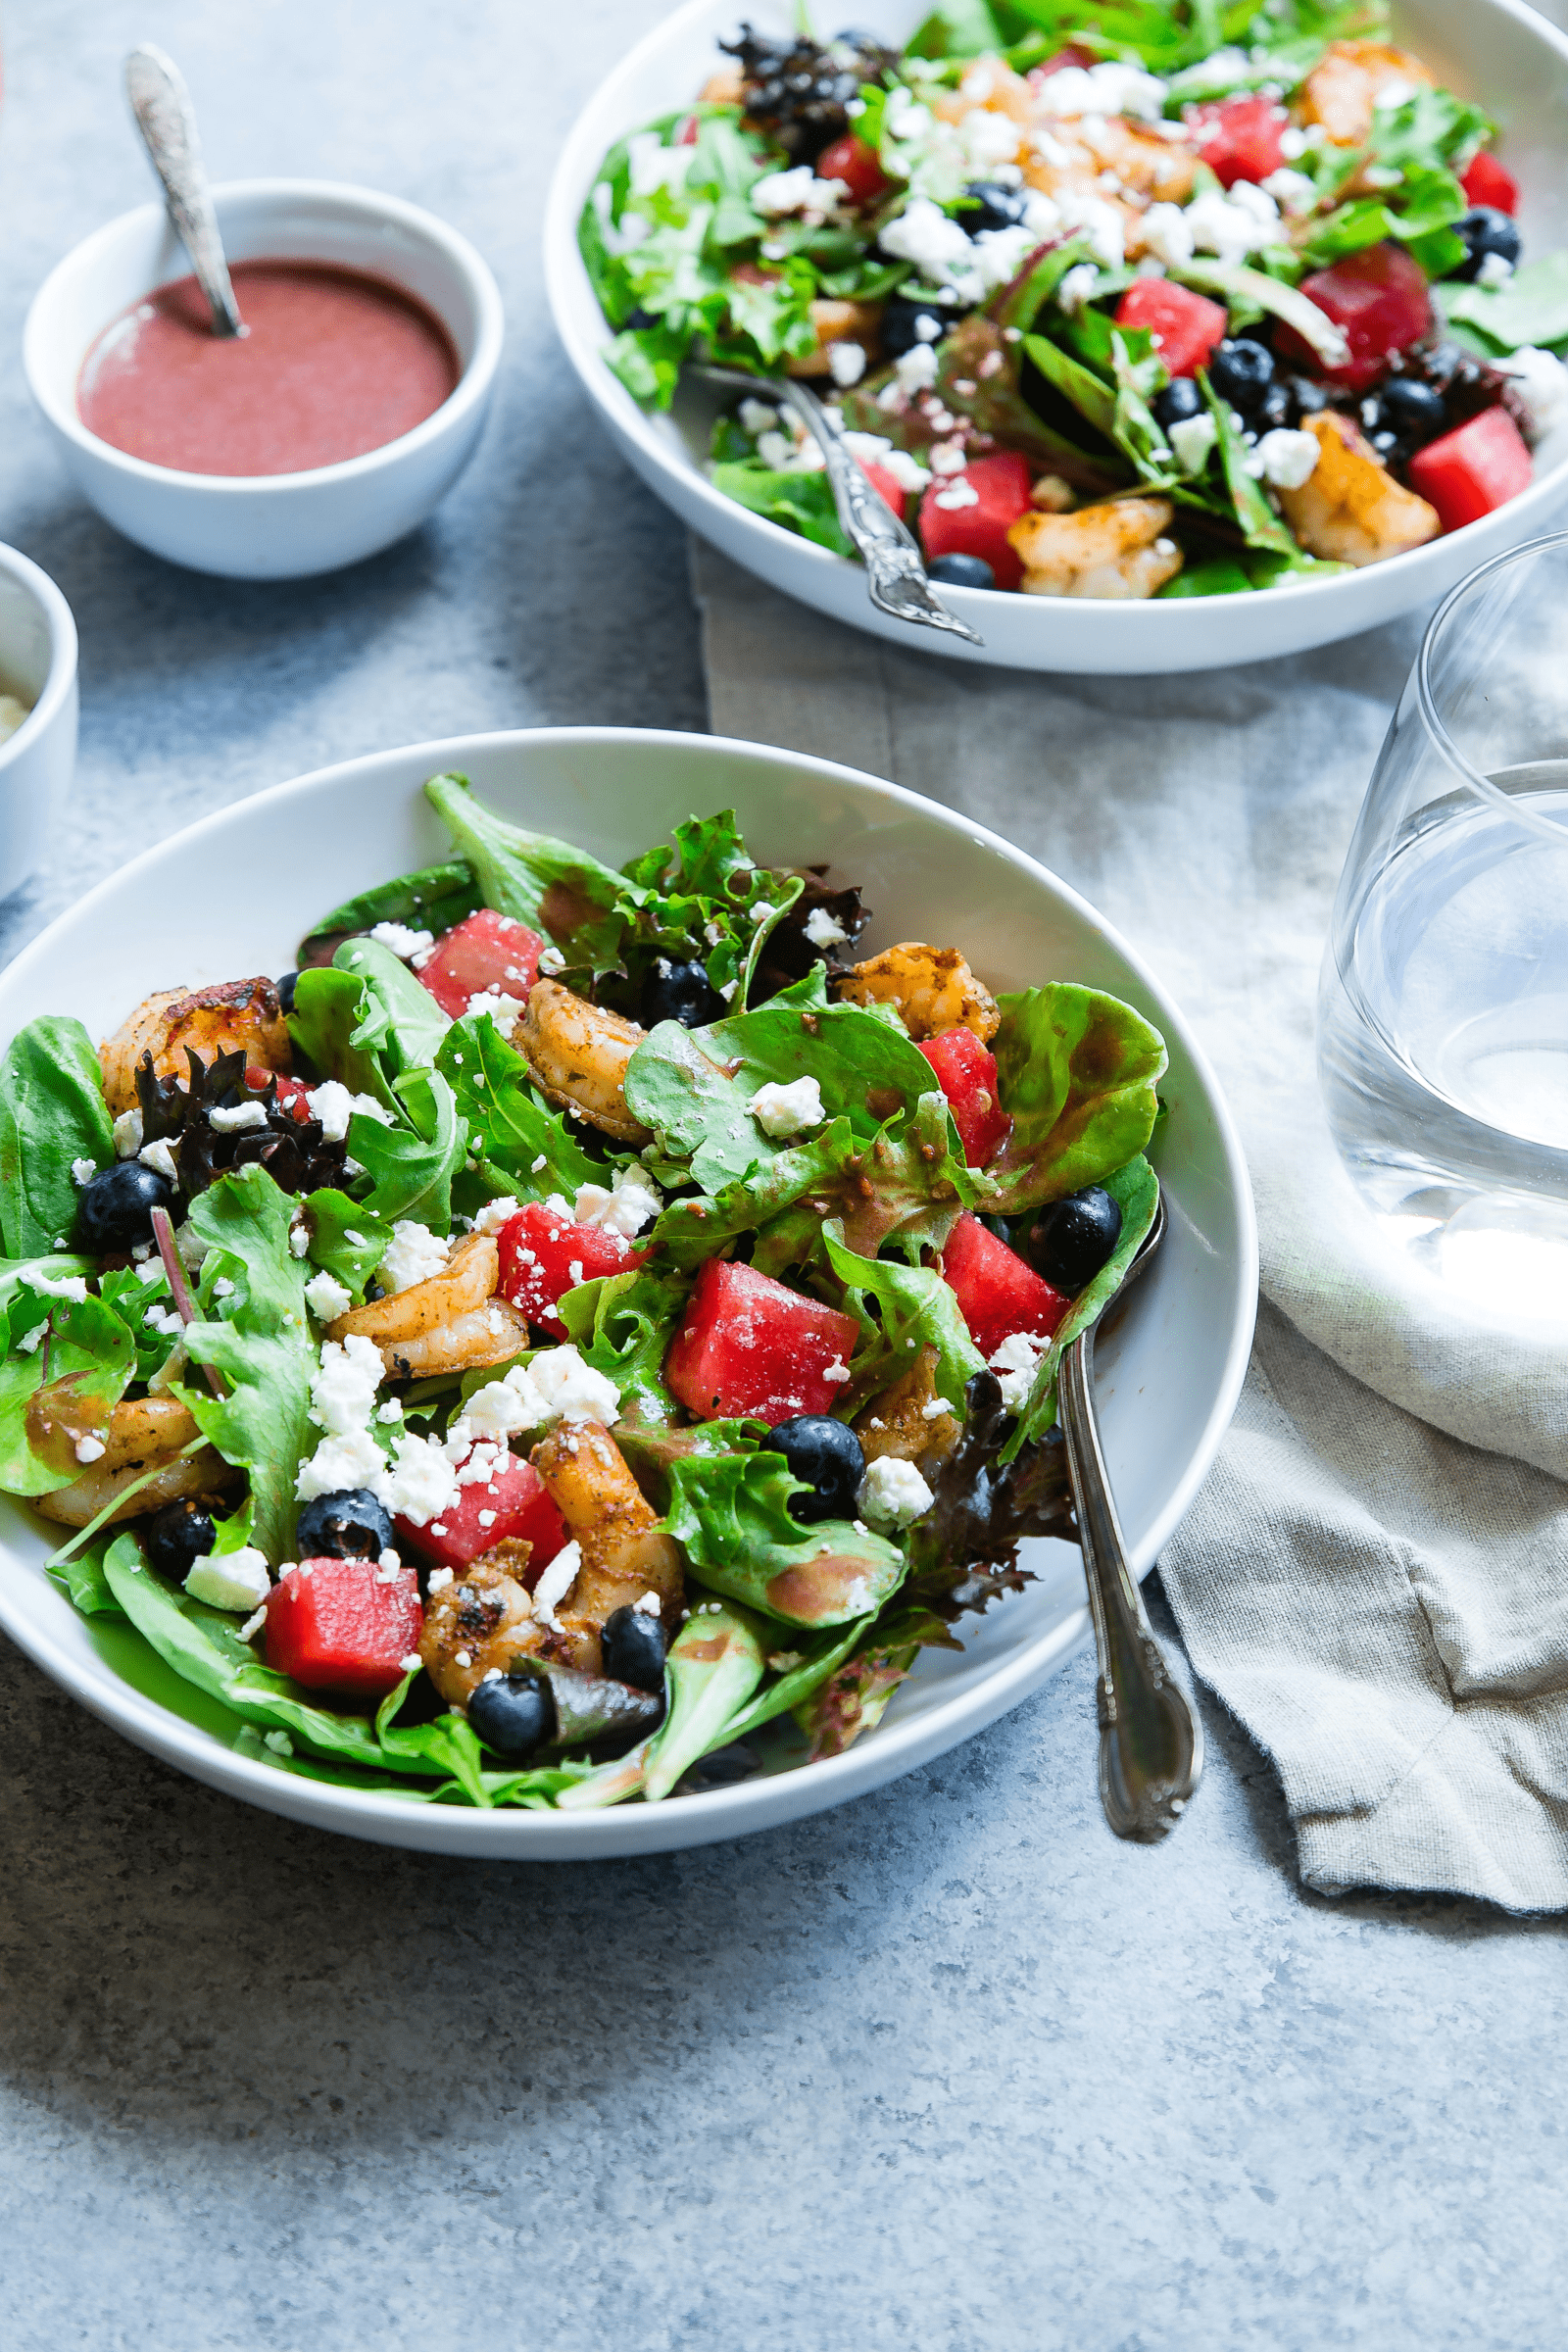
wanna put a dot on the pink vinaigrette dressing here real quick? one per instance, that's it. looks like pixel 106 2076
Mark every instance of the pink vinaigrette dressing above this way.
pixel 336 363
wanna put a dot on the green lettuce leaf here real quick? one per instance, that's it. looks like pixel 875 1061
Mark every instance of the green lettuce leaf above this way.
pixel 1532 308
pixel 52 1113
pixel 505 1120
pixel 82 1580
pixel 122 1288
pixel 730 1512
pixel 714 1664
pixel 431 899
pixel 802 503
pixel 548 884
pixel 1136 1190
pixel 412 1167
pixel 622 1325
pixel 916 1308
pixel 348 1238
pixel 329 1028
pixel 63 1389
pixel 1078 1071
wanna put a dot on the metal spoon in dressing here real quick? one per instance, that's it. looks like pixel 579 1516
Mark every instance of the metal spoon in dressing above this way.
pixel 167 120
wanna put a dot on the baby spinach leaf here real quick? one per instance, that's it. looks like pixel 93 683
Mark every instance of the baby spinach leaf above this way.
pixel 60 1390
pixel 1220 575
pixel 328 1026
pixel 348 1238
pixel 260 1342
pixel 446 1745
pixel 431 899
pixel 548 884
pixel 916 1308
pixel 802 503
pixel 52 1113
pixel 730 1512
pixel 400 1022
pixel 411 1168
pixel 82 1580
pixel 507 1123
pixel 714 1664
pixel 1532 308
pixel 1136 1190
pixel 1077 1072
pixel 622 1325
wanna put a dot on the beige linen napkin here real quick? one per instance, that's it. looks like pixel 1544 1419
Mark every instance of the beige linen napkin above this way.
pixel 1374 1578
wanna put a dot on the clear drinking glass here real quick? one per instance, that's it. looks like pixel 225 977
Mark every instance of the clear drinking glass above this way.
pixel 1443 1008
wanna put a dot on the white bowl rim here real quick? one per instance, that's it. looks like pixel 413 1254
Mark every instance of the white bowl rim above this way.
pixel 561 257
pixel 62 625
pixel 724 1812
pixel 470 389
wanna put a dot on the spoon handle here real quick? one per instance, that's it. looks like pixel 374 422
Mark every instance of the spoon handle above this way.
pixel 166 120
pixel 1151 1740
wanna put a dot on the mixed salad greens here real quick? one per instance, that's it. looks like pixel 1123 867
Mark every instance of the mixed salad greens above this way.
pixel 1150 298
pixel 573 1321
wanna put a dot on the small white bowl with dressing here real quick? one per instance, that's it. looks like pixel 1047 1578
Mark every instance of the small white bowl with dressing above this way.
pixel 37 714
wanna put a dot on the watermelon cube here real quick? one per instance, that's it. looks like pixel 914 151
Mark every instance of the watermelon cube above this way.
pixel 1472 471
pixel 545 1253
pixel 1184 326
pixel 486 952
pixel 997 1291
pixel 1485 181
pixel 751 1347
pixel 512 1503
pixel 966 1072
pixel 1238 138
pixel 343 1624
pixel 1379 297
pixel 883 483
pixel 970 513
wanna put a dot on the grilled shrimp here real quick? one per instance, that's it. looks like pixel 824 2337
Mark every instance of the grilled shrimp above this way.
pixel 578 1055
pixel 484 1620
pixel 1351 509
pixel 835 323
pixel 1116 551
pixel 241 1015
pixel 901 1421
pixel 1341 92
pixel 623 1556
pixel 933 988
pixel 140 1435
pixel 451 1322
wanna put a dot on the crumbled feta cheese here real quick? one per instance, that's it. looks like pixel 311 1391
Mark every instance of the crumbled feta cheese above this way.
pixel 948 458
pixel 327 1297
pixel 422 1481
pixel 496 1214
pixel 846 363
pixel 343 1392
pixel 1166 234
pixel 388 1559
pixel 762 913
pixel 1233 225
pixel 506 1012
pixel 1288 459
pixel 1394 92
pixel 631 1203
pixel 824 930
pixel 556 1582
pixel 916 368
pixel 1293 192
pixel 127 1134
pixel 1496 270
pixel 872 450
pixel 1540 384
pixel 414 1255
pixel 160 1158
pixel 1076 287
pixel 894 1491
pixel 82 1171
pixel 1191 439
pixel 571 1390
pixel 235 1117
pixel 392 1410
pixel 837 1371
pixel 1000 253
pixel 401 940
pixel 787 1109
pixel 334 1105
pixel 648 1605
pixel 779 192
pixel 164 1320
pixel 299 1237
pixel 939 247
pixel 230 1580
pixel 958 494
pixel 57 1286
pixel 150 1270
pixel 652 166
pixel 253 1625
pixel 439 1580
pixel 757 416
pixel 550 959
pixel 1103 89
pixel 1015 1363
pixel 89 1448
pixel 30 1341
pixel 412 1663
pixel 935 1408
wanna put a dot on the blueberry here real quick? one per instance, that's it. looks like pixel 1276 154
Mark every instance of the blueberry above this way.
pixel 825 1453
pixel 115 1209
pixel 1414 410
pixel 901 317
pixel 176 1537
pixel 1485 231
pixel 632 1646
pixel 1275 409
pixel 1070 1241
pixel 637 322
pixel 991 207
pixel 350 1524
pixel 515 1715
pixel 998 1226
pixel 1309 396
pixel 960 571
pixel 1179 400
pixel 285 986
pixel 1242 372
pixel 680 992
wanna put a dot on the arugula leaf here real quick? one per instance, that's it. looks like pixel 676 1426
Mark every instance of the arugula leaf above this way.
pixel 730 1514
pixel 52 1111
pixel 956 29
pixel 706 900
pixel 1532 308
pixel 547 884
pixel 622 1325
pixel 714 1664
pixel 431 899
pixel 412 1167
pixel 917 1308
pixel 63 1389
pixel 505 1120
pixel 1136 1190
pixel 1077 1072
pixel 260 1342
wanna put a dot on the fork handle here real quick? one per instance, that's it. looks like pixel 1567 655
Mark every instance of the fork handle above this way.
pixel 1151 1740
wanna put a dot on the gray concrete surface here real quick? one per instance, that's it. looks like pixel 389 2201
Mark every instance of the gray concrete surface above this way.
pixel 949 2069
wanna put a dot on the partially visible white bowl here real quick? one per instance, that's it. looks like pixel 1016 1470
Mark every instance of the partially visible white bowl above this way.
pixel 38 664
pixel 282 525
pixel 1496 51
pixel 1167 1378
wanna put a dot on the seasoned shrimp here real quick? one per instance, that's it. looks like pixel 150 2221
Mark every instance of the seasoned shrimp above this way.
pixel 1351 509
pixel 623 1556
pixel 1341 91
pixel 578 1055
pixel 933 988
pixel 904 1421
pixel 835 323
pixel 241 1015
pixel 479 1623
pixel 1116 551
pixel 141 1435
pixel 451 1322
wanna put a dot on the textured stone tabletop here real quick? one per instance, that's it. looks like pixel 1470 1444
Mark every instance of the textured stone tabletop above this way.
pixel 946 2069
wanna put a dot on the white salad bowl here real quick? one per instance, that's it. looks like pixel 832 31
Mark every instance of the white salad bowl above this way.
pixel 1169 1374
pixel 1496 52
pixel 38 664
pixel 276 526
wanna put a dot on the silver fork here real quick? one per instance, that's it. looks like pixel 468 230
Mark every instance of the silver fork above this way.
pixel 895 571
